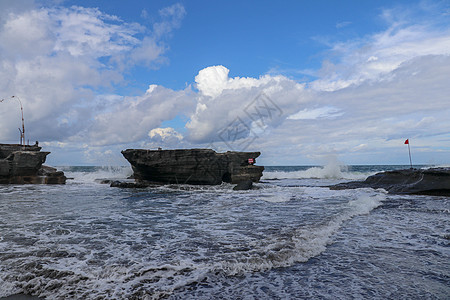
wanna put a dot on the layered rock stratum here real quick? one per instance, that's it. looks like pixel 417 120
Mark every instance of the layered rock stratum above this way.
pixel 24 165
pixel 433 181
pixel 193 166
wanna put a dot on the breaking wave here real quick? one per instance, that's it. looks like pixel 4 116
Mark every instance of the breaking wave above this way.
pixel 91 174
pixel 332 171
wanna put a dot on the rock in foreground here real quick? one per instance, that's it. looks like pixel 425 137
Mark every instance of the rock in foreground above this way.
pixel 434 181
pixel 192 166
pixel 23 165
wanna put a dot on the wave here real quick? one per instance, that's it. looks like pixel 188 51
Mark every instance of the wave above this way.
pixel 106 253
pixel 91 174
pixel 326 172
pixel 284 250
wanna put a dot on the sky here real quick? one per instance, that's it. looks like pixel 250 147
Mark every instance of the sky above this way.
pixel 303 82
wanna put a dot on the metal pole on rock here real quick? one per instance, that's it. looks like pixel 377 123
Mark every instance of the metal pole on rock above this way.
pixel 409 151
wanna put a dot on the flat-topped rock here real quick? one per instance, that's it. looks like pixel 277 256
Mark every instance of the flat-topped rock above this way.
pixel 434 181
pixel 193 166
pixel 23 165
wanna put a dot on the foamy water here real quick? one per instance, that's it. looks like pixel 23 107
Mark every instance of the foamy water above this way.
pixel 289 238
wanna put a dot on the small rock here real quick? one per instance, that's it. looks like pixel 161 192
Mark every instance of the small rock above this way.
pixel 122 184
pixel 243 185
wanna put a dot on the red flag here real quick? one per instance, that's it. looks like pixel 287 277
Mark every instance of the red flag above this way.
pixel 407 142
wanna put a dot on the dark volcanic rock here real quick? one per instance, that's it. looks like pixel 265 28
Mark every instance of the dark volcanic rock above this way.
pixel 192 166
pixel 127 184
pixel 23 164
pixel 7 149
pixel 434 181
pixel 244 185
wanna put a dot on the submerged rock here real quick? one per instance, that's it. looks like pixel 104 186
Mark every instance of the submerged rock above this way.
pixel 192 166
pixel 23 165
pixel 434 181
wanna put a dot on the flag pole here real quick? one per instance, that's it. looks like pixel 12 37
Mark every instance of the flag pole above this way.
pixel 409 151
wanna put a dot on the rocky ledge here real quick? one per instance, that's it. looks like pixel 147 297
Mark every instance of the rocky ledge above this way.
pixel 193 166
pixel 434 181
pixel 23 165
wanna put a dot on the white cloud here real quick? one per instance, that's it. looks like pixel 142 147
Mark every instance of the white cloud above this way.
pixel 316 113
pixel 171 19
pixel 131 119
pixel 224 103
pixel 56 60
pixel 343 24
pixel 383 89
pixel 165 133
pixel 374 57
pixel 378 117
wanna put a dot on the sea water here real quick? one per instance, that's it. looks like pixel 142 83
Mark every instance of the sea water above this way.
pixel 290 238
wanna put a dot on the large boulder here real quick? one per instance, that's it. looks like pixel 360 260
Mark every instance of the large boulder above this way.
pixel 434 181
pixel 192 166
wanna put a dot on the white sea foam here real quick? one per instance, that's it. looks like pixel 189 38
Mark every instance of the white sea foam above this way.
pixel 303 243
pixel 150 243
pixel 92 174
pixel 325 172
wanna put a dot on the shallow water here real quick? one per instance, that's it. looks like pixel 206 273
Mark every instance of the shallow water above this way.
pixel 291 238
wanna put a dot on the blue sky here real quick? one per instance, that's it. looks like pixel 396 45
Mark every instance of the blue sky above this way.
pixel 301 81
pixel 249 37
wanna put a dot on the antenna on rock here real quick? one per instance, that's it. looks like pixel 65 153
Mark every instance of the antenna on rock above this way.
pixel 22 131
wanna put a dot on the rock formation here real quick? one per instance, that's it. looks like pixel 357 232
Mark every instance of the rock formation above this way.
pixel 192 166
pixel 434 181
pixel 23 164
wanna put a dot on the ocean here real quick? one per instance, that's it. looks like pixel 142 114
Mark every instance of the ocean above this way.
pixel 291 238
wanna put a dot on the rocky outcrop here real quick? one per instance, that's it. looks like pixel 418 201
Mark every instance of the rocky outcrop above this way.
pixel 434 181
pixel 23 165
pixel 192 166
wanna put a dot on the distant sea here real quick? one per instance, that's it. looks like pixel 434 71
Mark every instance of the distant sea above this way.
pixel 291 238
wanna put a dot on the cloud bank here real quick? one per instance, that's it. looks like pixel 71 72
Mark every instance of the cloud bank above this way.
pixel 383 88
pixel 60 61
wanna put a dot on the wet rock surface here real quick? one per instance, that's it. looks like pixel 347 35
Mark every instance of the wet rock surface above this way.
pixel 192 166
pixel 243 186
pixel 433 181
pixel 23 165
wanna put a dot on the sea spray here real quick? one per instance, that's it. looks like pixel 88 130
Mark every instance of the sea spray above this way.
pixel 325 172
pixel 89 174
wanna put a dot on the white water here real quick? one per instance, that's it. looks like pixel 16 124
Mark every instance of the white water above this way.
pixel 91 174
pixel 87 240
pixel 329 171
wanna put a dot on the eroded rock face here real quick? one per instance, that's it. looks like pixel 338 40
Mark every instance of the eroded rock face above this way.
pixel 192 166
pixel 434 181
pixel 23 165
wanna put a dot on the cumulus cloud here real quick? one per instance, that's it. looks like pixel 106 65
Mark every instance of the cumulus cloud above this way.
pixel 165 133
pixel 227 104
